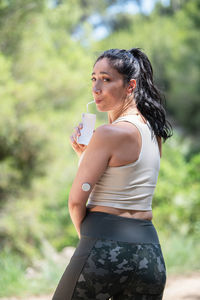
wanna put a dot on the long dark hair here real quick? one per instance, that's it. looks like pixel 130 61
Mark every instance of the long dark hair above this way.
pixel 134 64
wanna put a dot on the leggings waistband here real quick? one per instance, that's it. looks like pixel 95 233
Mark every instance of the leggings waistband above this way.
pixel 118 228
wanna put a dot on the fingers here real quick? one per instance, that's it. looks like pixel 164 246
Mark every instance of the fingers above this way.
pixel 78 148
pixel 78 130
pixel 76 133
pixel 72 139
pixel 75 145
pixel 80 125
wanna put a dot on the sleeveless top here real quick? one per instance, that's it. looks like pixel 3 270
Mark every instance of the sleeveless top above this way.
pixel 130 186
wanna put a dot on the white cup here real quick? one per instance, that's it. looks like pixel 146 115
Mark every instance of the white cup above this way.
pixel 88 121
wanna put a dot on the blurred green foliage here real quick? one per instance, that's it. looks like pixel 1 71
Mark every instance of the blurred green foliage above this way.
pixel 170 37
pixel 47 51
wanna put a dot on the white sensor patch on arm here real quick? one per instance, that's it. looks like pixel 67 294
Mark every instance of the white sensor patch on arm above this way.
pixel 86 187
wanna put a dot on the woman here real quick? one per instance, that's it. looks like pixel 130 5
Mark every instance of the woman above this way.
pixel 118 255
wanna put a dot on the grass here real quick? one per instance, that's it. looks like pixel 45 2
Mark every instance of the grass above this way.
pixel 182 255
pixel 16 279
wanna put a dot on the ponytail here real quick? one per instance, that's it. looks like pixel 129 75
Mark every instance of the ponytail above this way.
pixel 148 98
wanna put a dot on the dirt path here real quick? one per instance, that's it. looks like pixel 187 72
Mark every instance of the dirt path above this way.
pixel 178 288
pixel 183 287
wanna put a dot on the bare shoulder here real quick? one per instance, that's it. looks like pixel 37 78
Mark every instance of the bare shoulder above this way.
pixel 100 141
pixel 102 135
pixel 103 131
pixel 117 132
pixel 122 141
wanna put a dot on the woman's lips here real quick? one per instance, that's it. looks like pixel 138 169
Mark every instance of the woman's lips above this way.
pixel 98 101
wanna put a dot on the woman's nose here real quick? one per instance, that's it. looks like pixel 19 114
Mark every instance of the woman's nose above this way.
pixel 96 90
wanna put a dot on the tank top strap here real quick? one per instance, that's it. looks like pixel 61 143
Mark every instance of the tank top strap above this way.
pixel 142 127
pixel 131 118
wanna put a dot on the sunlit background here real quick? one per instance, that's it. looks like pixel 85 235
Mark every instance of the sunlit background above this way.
pixel 47 51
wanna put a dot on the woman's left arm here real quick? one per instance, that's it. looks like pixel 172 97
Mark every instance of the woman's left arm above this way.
pixel 92 166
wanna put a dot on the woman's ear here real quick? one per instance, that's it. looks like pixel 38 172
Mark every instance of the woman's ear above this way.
pixel 131 86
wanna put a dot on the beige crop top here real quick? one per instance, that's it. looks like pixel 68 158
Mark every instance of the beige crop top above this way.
pixel 130 186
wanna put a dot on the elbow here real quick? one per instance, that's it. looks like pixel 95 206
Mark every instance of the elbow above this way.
pixel 72 199
pixel 72 206
pixel 75 199
pixel 75 208
pixel 73 202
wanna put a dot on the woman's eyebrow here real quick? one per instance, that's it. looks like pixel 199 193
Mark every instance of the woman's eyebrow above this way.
pixel 93 73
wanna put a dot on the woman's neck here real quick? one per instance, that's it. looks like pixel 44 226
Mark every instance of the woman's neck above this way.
pixel 131 111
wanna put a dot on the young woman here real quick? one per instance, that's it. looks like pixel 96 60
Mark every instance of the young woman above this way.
pixel 118 255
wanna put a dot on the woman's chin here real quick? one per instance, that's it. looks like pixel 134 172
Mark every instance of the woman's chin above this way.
pixel 101 109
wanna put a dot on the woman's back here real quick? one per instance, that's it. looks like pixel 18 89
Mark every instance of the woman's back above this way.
pixel 130 186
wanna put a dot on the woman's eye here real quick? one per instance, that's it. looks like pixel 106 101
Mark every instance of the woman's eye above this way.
pixel 104 79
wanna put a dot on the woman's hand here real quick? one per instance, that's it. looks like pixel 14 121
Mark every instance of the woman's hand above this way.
pixel 78 148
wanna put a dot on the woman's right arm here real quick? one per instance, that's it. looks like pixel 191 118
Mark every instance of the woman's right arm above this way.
pixel 92 166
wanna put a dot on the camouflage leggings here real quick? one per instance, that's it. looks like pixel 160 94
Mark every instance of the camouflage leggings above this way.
pixel 103 269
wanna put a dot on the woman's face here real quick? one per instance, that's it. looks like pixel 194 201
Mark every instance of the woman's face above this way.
pixel 109 91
